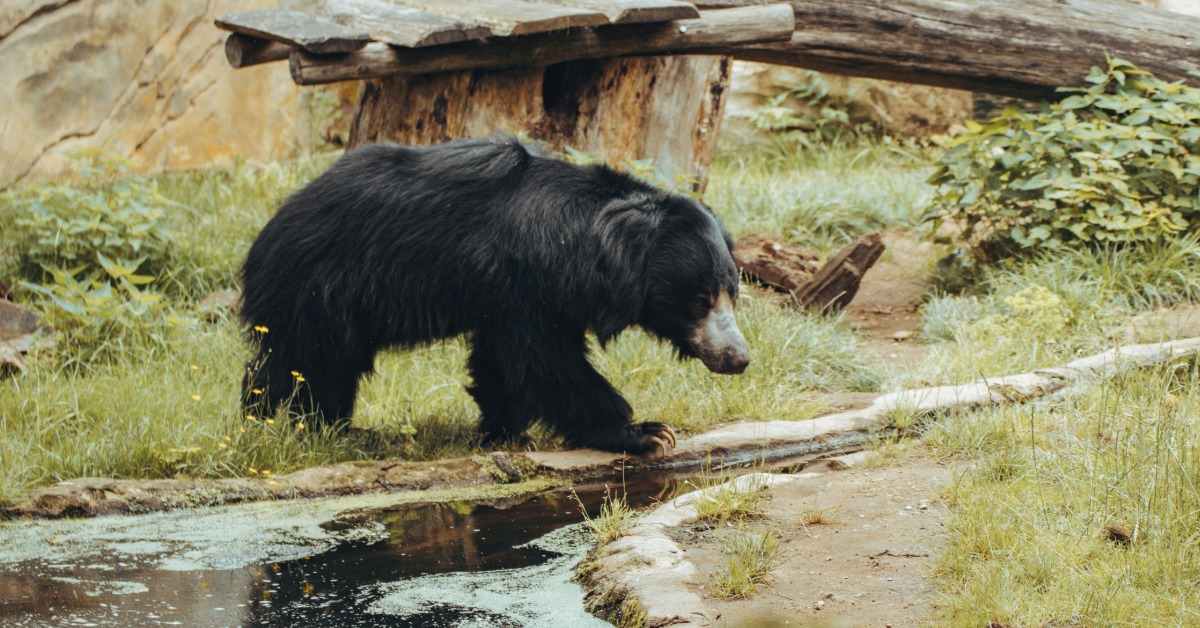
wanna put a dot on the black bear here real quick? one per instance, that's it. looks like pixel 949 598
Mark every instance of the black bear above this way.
pixel 397 246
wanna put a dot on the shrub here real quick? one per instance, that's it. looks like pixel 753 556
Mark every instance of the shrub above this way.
pixel 66 226
pixel 1116 162
pixel 98 315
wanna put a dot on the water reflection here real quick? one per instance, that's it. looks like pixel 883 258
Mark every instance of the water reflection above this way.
pixel 357 583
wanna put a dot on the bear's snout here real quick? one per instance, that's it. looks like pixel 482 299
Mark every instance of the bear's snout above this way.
pixel 719 343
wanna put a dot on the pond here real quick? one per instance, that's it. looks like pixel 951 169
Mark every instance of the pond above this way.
pixel 338 562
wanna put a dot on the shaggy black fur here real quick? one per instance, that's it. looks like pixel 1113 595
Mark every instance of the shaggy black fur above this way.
pixel 397 246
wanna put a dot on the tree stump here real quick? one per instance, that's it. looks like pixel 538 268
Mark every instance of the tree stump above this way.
pixel 662 108
pixel 796 271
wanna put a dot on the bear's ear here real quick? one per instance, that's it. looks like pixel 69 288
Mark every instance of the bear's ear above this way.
pixel 627 231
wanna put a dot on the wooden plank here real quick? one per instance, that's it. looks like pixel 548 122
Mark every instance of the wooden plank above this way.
pixel 711 32
pixel 400 26
pixel 303 31
pixel 511 17
pixel 244 50
pixel 634 11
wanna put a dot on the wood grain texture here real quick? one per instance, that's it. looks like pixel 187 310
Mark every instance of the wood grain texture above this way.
pixel 243 50
pixel 712 32
pixel 664 108
pixel 297 29
pixel 512 17
pixel 1021 48
pixel 399 26
pixel 634 11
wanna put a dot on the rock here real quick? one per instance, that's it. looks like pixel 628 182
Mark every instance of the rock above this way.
pixel 218 304
pixel 142 79
pixel 16 321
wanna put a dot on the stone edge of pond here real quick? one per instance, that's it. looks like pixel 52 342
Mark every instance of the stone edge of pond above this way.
pixel 749 441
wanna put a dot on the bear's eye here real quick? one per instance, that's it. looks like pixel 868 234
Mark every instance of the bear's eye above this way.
pixel 701 303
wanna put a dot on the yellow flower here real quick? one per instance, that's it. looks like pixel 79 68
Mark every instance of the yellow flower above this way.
pixel 195 397
pixel 257 391
pixel 220 445
pixel 250 417
pixel 270 421
pixel 262 329
pixel 253 470
pixel 194 367
pixel 299 426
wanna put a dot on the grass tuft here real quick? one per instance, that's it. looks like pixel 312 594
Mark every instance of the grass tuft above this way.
pixel 750 556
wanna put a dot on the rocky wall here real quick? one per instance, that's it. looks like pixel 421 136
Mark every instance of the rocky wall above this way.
pixel 141 78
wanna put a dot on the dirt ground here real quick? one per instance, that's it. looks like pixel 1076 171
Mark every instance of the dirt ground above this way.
pixel 885 308
pixel 866 564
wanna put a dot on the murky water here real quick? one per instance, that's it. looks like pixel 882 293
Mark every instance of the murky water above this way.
pixel 329 562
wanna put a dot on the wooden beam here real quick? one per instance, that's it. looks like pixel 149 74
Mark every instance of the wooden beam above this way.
pixel 1024 49
pixel 512 17
pixel 244 50
pixel 400 26
pixel 634 11
pixel 296 29
pixel 723 29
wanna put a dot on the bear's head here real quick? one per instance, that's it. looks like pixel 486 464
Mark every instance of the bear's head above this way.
pixel 671 266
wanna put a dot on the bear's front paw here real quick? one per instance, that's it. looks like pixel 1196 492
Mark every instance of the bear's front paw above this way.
pixel 643 438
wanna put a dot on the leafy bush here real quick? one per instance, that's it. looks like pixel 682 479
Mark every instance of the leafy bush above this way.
pixel 64 226
pixel 97 315
pixel 1115 162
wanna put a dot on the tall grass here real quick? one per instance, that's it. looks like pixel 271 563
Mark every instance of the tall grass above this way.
pixel 1028 543
pixel 821 196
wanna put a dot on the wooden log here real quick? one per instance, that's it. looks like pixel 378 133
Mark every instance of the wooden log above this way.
pixel 296 29
pixel 774 263
pixel 713 29
pixel 512 17
pixel 634 11
pixel 664 108
pixel 400 26
pixel 244 50
pixel 796 271
pixel 1021 49
pixel 836 283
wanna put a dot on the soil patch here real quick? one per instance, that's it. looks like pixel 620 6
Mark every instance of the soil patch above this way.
pixel 866 564
pixel 885 308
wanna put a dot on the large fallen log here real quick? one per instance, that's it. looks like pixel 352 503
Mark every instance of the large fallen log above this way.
pixel 1022 49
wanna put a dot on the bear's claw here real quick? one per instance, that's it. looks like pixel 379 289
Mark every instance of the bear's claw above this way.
pixel 660 434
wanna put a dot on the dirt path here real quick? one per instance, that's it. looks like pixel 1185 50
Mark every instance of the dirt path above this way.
pixel 885 308
pixel 865 564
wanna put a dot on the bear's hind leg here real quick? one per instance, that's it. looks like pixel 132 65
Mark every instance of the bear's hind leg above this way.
pixel 498 424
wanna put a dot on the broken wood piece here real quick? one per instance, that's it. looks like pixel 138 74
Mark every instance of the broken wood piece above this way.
pixel 10 361
pixel 797 272
pixel 512 17
pixel 774 263
pixel 296 29
pixel 634 11
pixel 835 284
pixel 5 292
pixel 244 50
pixel 713 29
pixel 400 26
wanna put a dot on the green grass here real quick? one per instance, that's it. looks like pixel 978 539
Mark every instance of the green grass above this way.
pixel 821 197
pixel 750 556
pixel 1027 539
